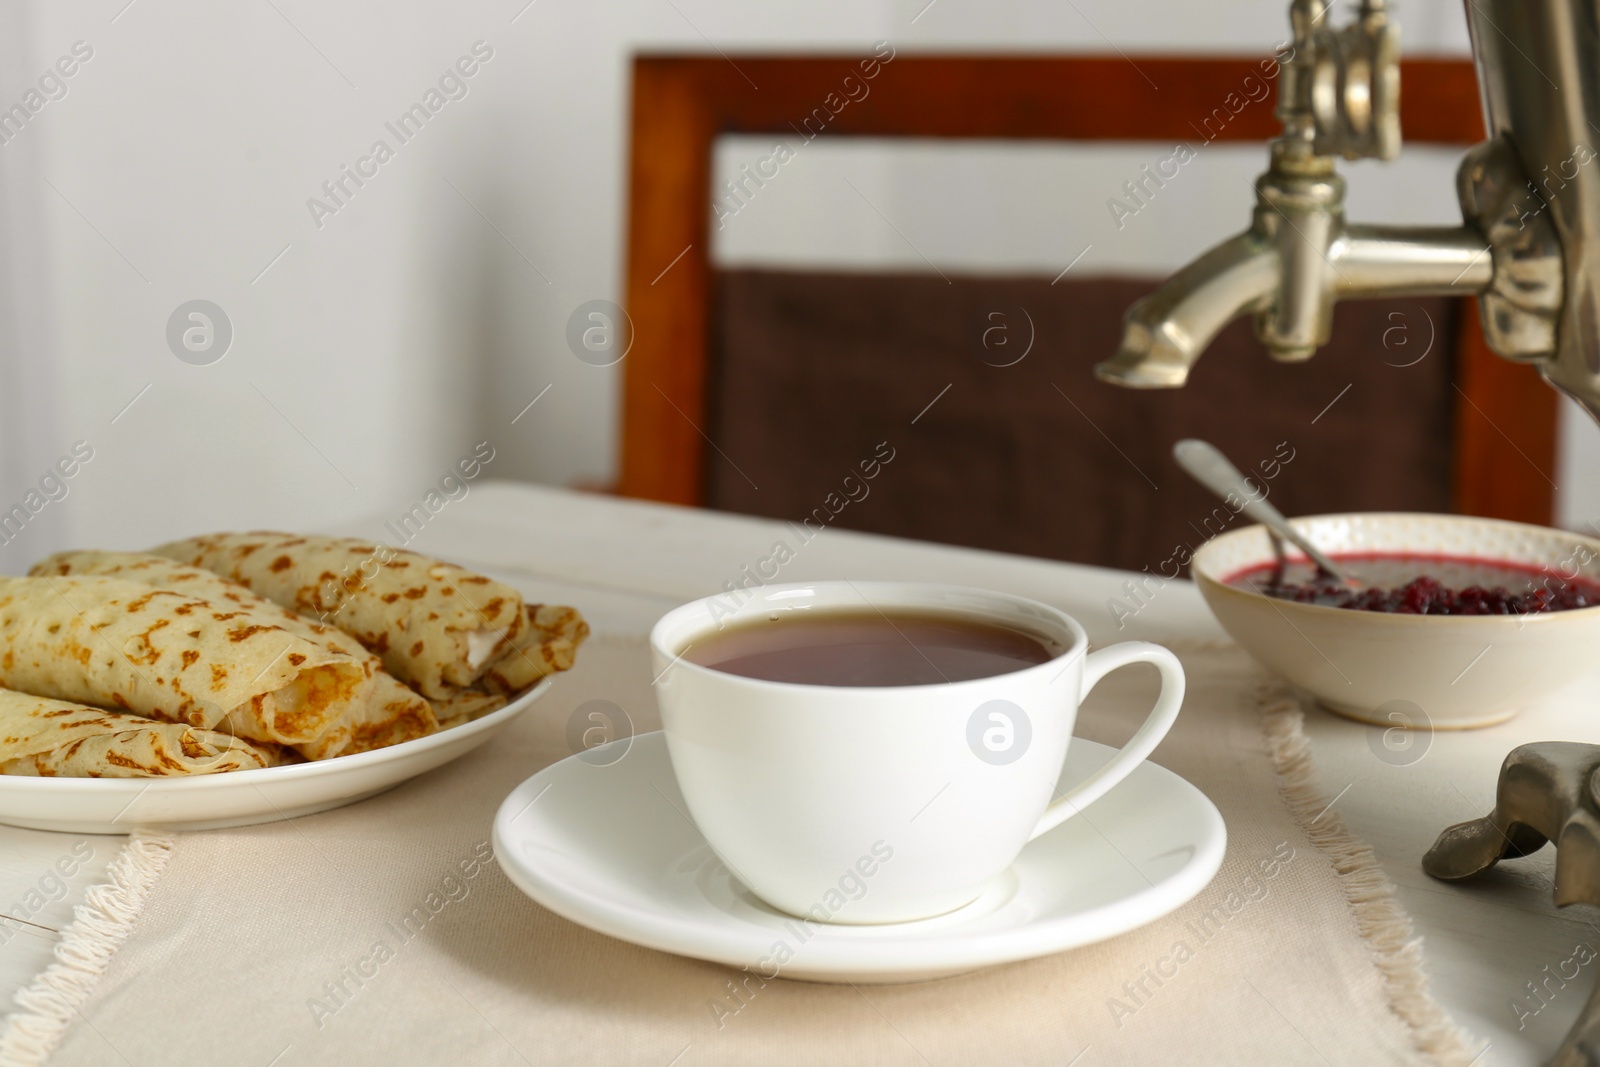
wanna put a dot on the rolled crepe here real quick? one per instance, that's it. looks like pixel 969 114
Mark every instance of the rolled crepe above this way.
pixel 116 643
pixel 548 643
pixel 464 705
pixel 437 626
pixel 391 715
pixel 53 738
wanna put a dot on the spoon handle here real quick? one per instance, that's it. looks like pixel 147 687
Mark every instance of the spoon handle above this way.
pixel 1213 470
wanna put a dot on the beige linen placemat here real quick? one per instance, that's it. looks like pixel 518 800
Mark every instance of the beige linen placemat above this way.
pixel 289 944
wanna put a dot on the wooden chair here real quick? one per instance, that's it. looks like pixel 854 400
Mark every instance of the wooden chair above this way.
pixel 1499 417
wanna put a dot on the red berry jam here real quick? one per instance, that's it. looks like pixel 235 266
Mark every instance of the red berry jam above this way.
pixel 1425 585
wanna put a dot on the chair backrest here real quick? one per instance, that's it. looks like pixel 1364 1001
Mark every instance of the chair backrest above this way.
pixel 1491 426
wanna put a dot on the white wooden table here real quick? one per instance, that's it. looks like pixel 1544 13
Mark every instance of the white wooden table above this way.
pixel 624 563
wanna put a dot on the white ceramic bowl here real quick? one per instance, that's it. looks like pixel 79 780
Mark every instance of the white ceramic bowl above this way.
pixel 1460 671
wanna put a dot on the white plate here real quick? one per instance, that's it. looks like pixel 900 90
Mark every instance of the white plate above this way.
pixel 609 845
pixel 239 798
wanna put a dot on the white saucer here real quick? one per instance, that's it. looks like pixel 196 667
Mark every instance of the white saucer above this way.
pixel 609 845
pixel 239 798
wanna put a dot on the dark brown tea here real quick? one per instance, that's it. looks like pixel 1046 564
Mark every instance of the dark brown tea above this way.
pixel 857 648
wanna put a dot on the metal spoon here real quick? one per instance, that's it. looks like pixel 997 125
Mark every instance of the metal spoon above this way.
pixel 1211 469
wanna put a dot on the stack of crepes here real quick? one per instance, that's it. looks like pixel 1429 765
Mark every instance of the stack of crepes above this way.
pixel 242 651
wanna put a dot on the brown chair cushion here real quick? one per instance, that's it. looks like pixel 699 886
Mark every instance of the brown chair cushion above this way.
pixel 814 370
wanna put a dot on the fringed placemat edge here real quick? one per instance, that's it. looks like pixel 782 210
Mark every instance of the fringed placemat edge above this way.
pixel 1380 920
pixel 47 1006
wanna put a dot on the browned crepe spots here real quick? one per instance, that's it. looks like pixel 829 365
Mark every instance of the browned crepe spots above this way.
pixel 382 596
pixel 50 738
pixel 136 663
pixel 391 715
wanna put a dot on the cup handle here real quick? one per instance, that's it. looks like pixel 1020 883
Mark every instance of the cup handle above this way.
pixel 1095 667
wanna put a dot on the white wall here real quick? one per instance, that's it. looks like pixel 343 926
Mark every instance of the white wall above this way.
pixel 429 311
pixel 27 376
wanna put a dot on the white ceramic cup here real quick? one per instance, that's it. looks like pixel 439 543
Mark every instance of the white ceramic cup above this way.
pixel 888 803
